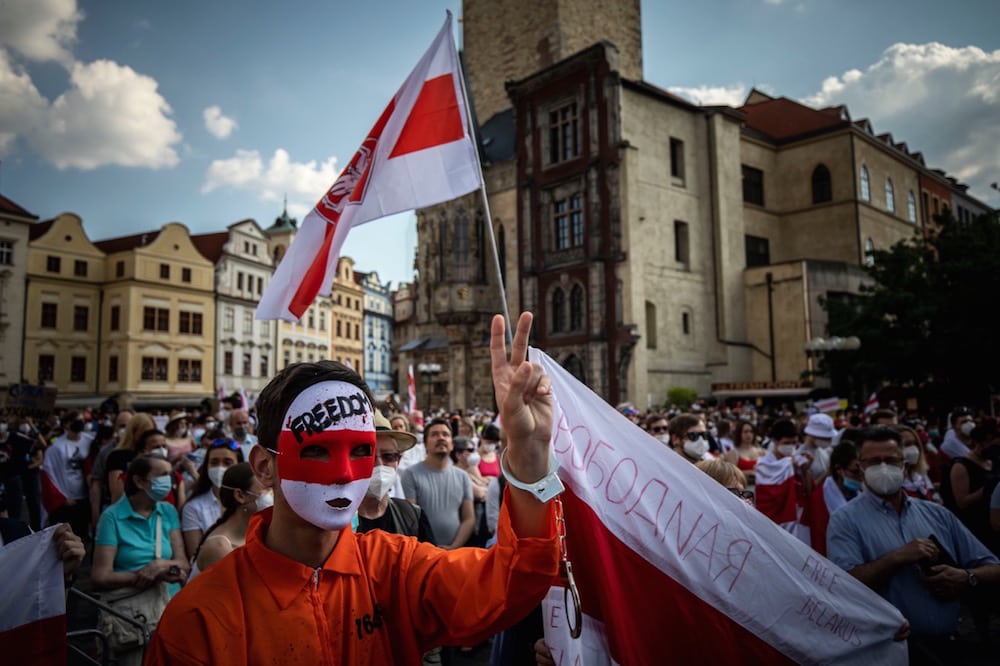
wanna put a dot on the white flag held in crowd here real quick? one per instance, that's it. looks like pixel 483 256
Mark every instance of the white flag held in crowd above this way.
pixel 32 601
pixel 412 388
pixel 668 562
pixel 418 154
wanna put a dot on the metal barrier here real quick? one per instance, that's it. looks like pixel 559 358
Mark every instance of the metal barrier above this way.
pixel 107 656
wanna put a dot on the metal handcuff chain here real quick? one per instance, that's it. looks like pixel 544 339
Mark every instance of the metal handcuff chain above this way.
pixel 575 625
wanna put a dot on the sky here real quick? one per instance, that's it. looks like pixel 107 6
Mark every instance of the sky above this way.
pixel 135 113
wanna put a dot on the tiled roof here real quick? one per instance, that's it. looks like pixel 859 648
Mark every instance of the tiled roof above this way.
pixel 113 245
pixel 39 229
pixel 210 245
pixel 8 206
pixel 783 118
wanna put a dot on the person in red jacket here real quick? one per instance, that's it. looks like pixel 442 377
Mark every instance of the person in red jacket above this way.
pixel 306 590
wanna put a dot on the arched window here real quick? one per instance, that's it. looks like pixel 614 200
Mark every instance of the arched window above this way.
pixel 558 311
pixel 821 184
pixel 866 190
pixel 890 196
pixel 574 366
pixel 869 253
pixel 576 308
pixel 911 207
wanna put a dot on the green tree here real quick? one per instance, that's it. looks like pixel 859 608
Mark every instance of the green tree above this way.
pixel 927 317
pixel 682 397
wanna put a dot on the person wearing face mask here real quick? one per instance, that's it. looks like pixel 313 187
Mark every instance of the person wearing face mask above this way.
pixel 916 482
pixel 305 587
pixel 380 511
pixel 241 495
pixel 958 438
pixel 125 540
pixel 914 553
pixel 241 430
pixel 783 481
pixel 819 433
pixel 840 486
pixel 967 486
pixel 657 426
pixel 204 507
pixel 65 494
pixel 689 437
pixel 489 446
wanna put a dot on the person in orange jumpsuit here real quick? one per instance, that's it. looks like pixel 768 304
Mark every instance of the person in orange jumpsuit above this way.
pixel 306 590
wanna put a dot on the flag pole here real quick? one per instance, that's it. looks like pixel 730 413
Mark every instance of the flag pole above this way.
pixel 473 132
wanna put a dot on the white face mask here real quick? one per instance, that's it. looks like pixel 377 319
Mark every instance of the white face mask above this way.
pixel 24 428
pixel 473 459
pixel 823 443
pixel 490 448
pixel 696 449
pixel 309 501
pixel 968 427
pixel 786 449
pixel 884 479
pixel 215 475
pixel 383 478
pixel 265 501
pixel 663 438
pixel 159 452
pixel 3 427
pixel 911 454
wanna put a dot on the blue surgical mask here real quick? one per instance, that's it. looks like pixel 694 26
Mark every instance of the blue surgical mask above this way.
pixel 851 484
pixel 160 488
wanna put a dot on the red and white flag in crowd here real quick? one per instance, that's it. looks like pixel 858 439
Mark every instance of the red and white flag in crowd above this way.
pixel 419 153
pixel 780 495
pixel 668 562
pixel 872 404
pixel 32 601
pixel 827 405
pixel 244 398
pixel 411 386
pixel 222 391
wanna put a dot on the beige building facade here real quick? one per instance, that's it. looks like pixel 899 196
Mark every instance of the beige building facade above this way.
pixel 346 337
pixel 15 227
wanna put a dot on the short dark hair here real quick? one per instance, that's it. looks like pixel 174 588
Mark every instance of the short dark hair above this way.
pixel 491 433
pixel 140 443
pixel 653 418
pixel 880 434
pixel 783 428
pixel 438 422
pixel 140 467
pixel 282 390
pixel 843 455
pixel 681 423
pixel 883 413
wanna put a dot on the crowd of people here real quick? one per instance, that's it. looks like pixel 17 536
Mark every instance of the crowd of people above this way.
pixel 909 508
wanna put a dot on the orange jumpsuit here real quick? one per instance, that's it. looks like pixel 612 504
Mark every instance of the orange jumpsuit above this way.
pixel 378 599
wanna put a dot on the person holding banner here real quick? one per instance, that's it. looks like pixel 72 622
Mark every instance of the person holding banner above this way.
pixel 306 589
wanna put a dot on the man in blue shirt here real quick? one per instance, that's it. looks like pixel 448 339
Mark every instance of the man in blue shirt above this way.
pixel 913 552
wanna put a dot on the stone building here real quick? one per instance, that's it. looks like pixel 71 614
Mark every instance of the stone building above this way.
pixel 15 225
pixel 377 333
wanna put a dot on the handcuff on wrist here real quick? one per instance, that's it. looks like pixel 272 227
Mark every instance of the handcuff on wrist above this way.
pixel 545 489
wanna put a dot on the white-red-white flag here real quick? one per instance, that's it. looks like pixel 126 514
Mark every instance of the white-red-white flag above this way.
pixel 419 153
pixel 411 386
pixel 781 496
pixel 32 601
pixel 872 403
pixel 672 567
pixel 244 398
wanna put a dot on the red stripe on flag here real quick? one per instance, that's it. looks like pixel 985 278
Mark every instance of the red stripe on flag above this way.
pixel 313 278
pixel 52 497
pixel 41 643
pixel 637 601
pixel 779 501
pixel 433 120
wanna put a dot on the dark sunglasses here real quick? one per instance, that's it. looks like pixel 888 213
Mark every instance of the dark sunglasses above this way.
pixel 656 430
pixel 389 457
pixel 694 436
pixel 224 443
pixel 742 494
pixel 466 450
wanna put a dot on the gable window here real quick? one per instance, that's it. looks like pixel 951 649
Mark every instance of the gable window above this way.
pixel 866 190
pixel 753 185
pixel 119 268
pixel 558 311
pixel 569 222
pixel 677 160
pixel 822 188
pixel 564 142
pixel 53 264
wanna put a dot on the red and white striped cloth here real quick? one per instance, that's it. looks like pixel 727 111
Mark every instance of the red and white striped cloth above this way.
pixel 780 496
pixel 32 602
pixel 419 153
pixel 672 567
pixel 411 387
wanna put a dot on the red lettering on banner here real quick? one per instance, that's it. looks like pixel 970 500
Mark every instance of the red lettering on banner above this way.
pixel 711 534
pixel 635 477
pixel 655 522
pixel 593 460
pixel 562 428
pixel 678 513
pixel 554 622
pixel 819 573
pixel 735 543
pixel 821 615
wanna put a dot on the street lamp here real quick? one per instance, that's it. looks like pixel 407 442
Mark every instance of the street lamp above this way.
pixel 429 370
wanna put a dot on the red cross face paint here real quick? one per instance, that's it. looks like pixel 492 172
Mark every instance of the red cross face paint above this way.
pixel 326 453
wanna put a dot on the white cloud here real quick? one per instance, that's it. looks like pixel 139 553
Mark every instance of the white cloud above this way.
pixel 712 95
pixel 218 125
pixel 110 115
pixel 303 182
pixel 20 103
pixel 940 100
pixel 40 30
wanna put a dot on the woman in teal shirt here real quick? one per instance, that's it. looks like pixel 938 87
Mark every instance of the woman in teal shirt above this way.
pixel 125 542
